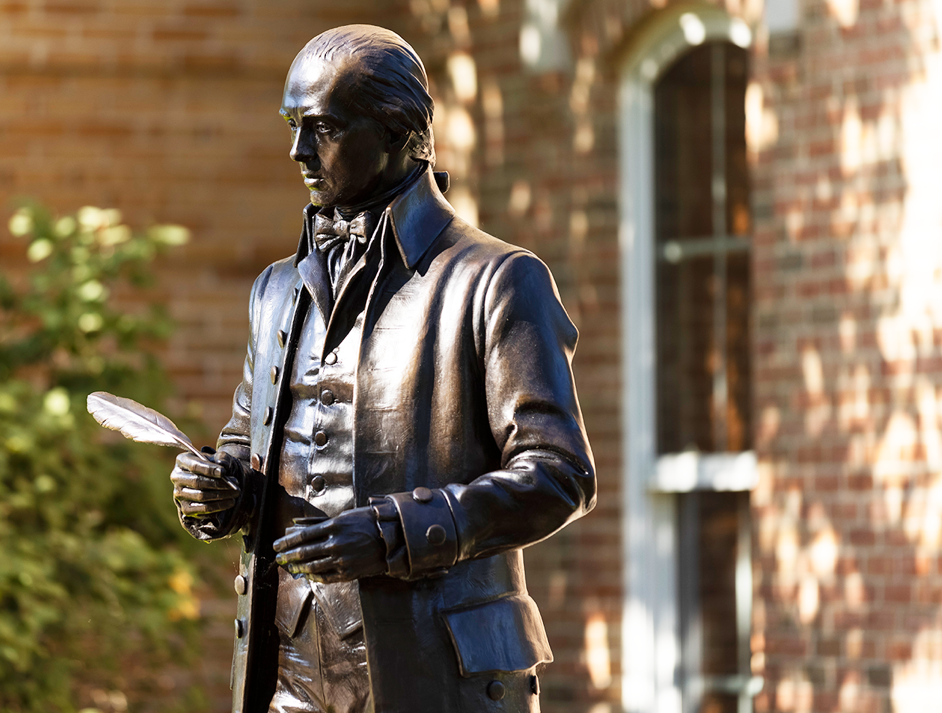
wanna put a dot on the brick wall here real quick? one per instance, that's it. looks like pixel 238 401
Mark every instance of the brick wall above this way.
pixel 848 369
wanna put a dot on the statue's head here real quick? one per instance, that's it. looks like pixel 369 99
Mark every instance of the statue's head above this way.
pixel 357 101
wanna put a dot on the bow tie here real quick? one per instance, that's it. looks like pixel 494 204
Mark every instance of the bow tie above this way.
pixel 337 231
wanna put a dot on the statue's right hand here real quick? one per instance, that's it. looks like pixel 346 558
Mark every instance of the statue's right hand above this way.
pixel 203 487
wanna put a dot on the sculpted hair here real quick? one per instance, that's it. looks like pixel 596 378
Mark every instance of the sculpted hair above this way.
pixel 390 84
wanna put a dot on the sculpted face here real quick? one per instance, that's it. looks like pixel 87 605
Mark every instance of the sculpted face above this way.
pixel 345 157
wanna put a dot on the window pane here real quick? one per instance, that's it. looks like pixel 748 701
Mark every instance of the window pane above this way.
pixel 703 367
pixel 685 293
pixel 737 169
pixel 738 377
pixel 719 703
pixel 710 527
pixel 682 152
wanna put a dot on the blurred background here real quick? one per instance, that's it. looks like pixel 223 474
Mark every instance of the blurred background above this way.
pixel 740 204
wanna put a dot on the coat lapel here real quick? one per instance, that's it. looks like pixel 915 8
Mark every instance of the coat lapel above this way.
pixel 314 275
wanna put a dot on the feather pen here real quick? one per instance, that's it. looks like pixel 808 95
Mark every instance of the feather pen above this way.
pixel 138 422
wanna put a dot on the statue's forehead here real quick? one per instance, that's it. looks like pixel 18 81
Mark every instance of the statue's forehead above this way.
pixel 313 81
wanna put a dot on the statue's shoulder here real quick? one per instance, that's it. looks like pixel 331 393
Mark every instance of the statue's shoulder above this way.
pixel 276 276
pixel 468 243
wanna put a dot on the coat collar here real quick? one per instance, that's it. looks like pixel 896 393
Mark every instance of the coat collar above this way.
pixel 416 216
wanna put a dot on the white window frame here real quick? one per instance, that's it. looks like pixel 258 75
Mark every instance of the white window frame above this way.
pixel 651 647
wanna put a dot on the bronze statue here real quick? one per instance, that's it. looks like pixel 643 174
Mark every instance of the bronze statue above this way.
pixel 406 423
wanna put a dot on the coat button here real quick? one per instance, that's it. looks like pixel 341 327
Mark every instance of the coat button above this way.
pixel 327 397
pixel 320 438
pixel 495 690
pixel 330 359
pixel 318 484
pixel 281 338
pixel 274 374
pixel 240 629
pixel 435 534
pixel 240 585
pixel 269 412
pixel 256 461
pixel 422 495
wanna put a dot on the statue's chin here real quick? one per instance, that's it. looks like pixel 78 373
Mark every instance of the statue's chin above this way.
pixel 317 199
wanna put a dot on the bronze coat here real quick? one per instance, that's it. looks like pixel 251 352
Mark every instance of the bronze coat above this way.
pixel 463 386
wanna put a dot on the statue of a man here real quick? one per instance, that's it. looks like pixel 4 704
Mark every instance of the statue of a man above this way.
pixel 407 422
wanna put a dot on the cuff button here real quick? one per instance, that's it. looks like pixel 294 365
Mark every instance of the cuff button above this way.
pixel 435 535
pixel 422 495
pixel 240 585
pixel 495 690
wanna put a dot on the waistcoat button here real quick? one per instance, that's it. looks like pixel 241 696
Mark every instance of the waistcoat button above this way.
pixel 318 484
pixel 327 397
pixel 240 585
pixel 320 438
pixel 274 374
pixel 495 690
pixel 256 461
pixel 281 338
pixel 330 359
pixel 239 628
pixel 269 412
pixel 422 495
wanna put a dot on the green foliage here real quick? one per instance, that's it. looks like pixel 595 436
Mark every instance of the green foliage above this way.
pixel 91 555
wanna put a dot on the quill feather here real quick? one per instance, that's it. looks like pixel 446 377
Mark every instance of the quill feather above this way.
pixel 138 422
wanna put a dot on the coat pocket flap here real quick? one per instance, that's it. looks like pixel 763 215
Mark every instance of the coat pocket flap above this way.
pixel 293 598
pixel 505 634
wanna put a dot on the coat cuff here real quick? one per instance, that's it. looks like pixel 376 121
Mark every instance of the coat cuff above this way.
pixel 390 529
pixel 428 529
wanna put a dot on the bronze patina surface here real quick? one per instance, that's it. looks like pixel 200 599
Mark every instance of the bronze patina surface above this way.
pixel 407 422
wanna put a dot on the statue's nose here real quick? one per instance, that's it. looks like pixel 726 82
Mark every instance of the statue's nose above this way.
pixel 303 149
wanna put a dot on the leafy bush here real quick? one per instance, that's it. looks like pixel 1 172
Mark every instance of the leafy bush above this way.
pixel 91 557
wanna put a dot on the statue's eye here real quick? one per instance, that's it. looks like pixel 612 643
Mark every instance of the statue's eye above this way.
pixel 293 124
pixel 322 128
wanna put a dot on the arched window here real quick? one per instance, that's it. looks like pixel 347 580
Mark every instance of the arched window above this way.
pixel 688 425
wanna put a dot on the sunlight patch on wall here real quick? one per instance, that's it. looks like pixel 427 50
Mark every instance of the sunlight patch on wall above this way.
pixel 844 11
pixel 489 8
pixel 693 28
pixel 492 104
pixel 917 684
pixel 521 197
pixel 761 122
pixel 464 79
pixel 824 550
pixel 597 657
pixel 809 599
pixel 465 204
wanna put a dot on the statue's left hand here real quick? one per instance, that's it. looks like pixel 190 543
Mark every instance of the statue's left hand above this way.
pixel 341 549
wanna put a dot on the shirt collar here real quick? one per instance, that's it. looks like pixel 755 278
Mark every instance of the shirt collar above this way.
pixel 417 217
